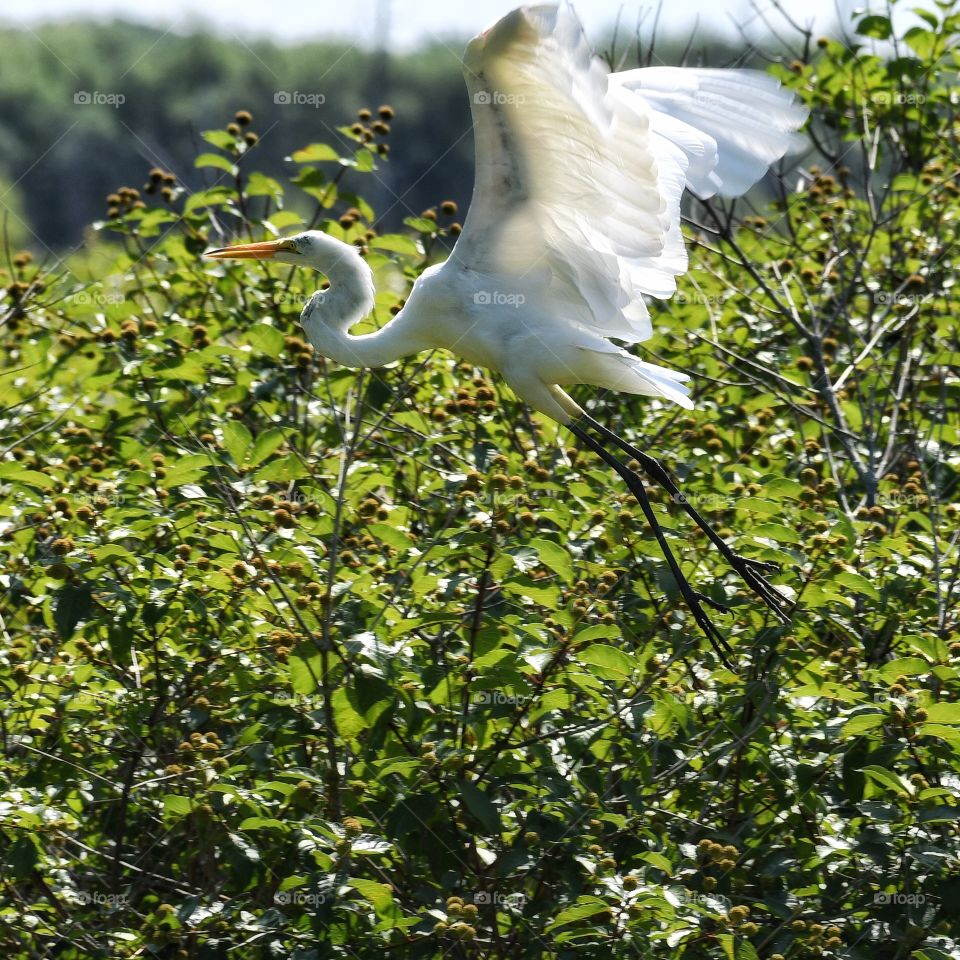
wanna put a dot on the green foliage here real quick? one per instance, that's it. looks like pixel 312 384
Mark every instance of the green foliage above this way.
pixel 313 662
pixel 66 156
pixel 151 89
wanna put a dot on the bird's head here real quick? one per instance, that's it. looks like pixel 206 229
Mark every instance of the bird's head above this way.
pixel 313 248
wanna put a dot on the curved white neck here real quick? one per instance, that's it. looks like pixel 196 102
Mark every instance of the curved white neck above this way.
pixel 329 315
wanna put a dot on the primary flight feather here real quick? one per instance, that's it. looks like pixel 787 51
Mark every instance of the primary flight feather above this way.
pixel 574 220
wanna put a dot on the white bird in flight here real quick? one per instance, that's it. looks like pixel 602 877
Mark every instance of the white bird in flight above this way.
pixel 574 220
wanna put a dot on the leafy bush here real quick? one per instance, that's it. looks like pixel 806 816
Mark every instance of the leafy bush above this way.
pixel 313 662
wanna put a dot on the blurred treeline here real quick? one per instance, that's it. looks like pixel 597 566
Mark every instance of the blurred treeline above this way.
pixel 60 158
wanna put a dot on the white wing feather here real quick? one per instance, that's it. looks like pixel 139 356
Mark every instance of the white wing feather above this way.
pixel 579 173
pixel 732 124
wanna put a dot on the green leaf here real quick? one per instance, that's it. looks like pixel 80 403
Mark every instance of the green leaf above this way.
pixel 875 26
pixel 745 950
pixel 186 469
pixel 305 670
pixel 903 666
pixel 856 726
pixel 318 185
pixel 176 806
pixel 886 778
pixel 943 713
pixel 780 487
pixel 220 138
pixel 657 860
pixel 189 370
pixel 927 16
pixel 535 591
pixel 364 160
pixel 237 439
pixel 262 823
pixel 259 185
pixel 349 722
pixel 213 197
pixel 922 42
pixel 421 224
pixel 480 805
pixel 583 909
pixel 756 505
pixel 397 243
pixel 598 631
pixel 355 200
pixel 856 583
pixel 74 602
pixel 778 532
pixel 267 442
pixel 315 153
pixel 610 662
pixel 379 894
pixel 941 731
pixel 266 339
pixel 555 557
pixel 215 160
pixel 283 219
pixel 391 536
pixel 112 553
pixel 11 470
pixel 283 469
pixel 23 856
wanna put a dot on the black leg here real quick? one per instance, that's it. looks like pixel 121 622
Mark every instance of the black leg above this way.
pixel 751 571
pixel 693 599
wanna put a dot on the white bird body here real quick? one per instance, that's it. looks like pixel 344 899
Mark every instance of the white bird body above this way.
pixel 575 216
pixel 574 221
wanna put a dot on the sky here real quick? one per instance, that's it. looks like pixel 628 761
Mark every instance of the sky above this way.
pixel 410 21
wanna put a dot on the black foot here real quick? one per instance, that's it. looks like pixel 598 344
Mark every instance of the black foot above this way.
pixel 767 566
pixel 751 572
pixel 694 601
pixel 716 604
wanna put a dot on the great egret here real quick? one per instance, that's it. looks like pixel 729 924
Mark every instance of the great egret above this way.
pixel 575 218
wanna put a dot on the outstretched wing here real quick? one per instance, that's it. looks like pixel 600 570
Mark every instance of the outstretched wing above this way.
pixel 741 121
pixel 579 173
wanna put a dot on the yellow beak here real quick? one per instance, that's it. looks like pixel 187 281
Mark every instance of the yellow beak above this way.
pixel 266 250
